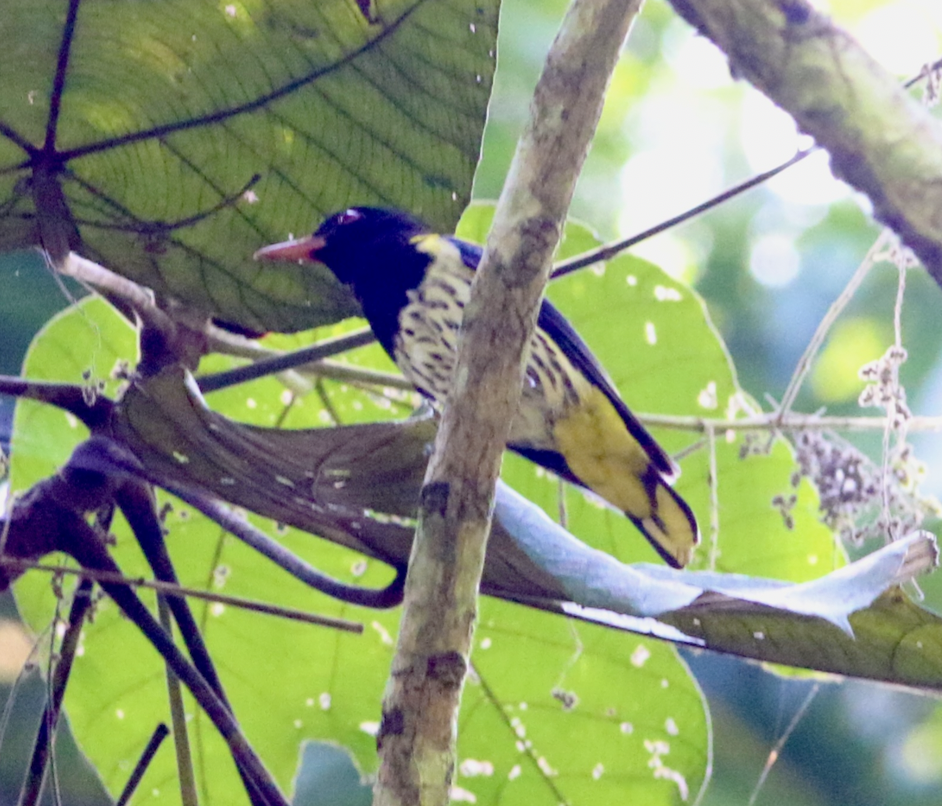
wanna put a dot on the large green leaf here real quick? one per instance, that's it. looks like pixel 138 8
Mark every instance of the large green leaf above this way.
pixel 300 682
pixel 555 711
pixel 653 336
pixel 578 714
pixel 287 683
pixel 598 712
pixel 130 130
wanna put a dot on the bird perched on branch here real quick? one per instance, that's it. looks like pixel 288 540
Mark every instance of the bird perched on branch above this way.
pixel 413 286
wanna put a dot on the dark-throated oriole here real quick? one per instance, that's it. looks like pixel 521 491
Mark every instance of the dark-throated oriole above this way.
pixel 413 286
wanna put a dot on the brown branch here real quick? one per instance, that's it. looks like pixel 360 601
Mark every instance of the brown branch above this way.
pixel 90 407
pixel 417 733
pixel 880 140
pixel 171 589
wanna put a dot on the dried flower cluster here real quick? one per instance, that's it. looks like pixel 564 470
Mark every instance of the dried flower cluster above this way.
pixel 883 388
pixel 851 490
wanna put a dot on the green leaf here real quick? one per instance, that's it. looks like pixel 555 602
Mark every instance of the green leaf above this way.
pixel 333 684
pixel 291 682
pixel 578 713
pixel 164 113
pixel 654 337
pixel 362 672
pixel 854 621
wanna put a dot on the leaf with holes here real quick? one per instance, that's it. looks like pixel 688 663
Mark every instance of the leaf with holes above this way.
pixel 654 337
pixel 294 682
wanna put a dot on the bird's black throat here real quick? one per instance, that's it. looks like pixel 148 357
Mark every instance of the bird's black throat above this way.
pixel 371 251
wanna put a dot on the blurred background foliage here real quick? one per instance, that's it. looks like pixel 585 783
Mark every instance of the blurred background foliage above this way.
pixel 676 130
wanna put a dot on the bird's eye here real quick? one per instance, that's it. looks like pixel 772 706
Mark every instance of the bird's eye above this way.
pixel 349 216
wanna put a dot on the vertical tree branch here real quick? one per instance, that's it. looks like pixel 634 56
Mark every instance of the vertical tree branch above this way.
pixel 418 729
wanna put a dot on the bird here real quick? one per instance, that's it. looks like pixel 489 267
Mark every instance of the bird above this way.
pixel 413 285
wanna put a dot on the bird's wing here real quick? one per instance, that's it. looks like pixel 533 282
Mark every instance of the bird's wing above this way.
pixel 556 326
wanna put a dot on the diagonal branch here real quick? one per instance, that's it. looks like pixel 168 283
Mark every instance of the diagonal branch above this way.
pixel 881 141
pixel 417 734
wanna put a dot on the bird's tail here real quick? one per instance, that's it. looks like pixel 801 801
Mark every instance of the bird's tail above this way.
pixel 606 449
pixel 670 525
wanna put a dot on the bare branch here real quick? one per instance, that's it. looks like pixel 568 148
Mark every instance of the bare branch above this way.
pixel 790 423
pixel 170 589
pixel 881 141
pixel 417 734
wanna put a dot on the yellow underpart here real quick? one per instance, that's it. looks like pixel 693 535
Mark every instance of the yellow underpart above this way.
pixel 608 460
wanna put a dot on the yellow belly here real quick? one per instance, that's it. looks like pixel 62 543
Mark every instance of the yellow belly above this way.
pixel 602 453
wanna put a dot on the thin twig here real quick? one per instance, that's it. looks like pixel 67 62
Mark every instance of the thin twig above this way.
pixel 714 483
pixel 153 745
pixel 191 593
pixel 791 422
pixel 58 680
pixel 608 251
pixel 894 424
pixel 335 371
pixel 777 749
pixel 824 326
pixel 269 366
pixel 181 738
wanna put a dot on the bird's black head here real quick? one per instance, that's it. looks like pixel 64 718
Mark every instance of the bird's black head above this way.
pixel 363 246
pixel 371 250
pixel 366 244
